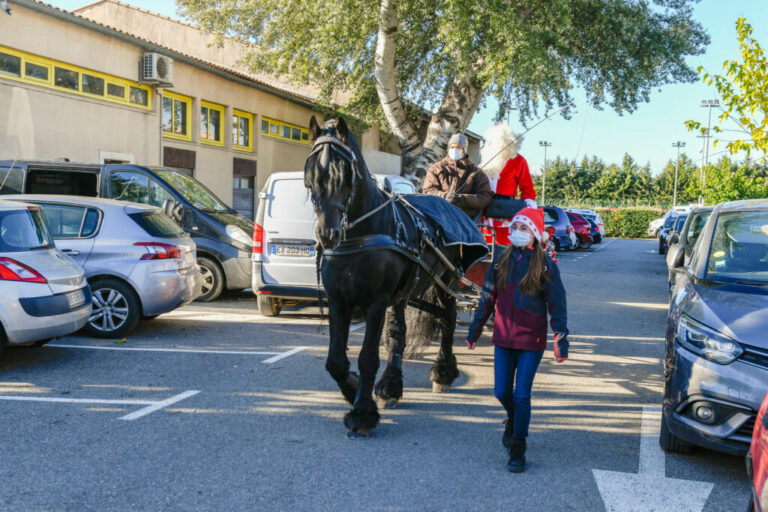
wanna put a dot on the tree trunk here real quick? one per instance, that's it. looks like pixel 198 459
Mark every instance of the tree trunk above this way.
pixel 459 105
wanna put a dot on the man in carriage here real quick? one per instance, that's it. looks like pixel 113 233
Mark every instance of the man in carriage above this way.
pixel 458 180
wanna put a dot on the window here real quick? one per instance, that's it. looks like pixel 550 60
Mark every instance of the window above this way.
pixel 157 224
pixel 10 64
pixel 739 249
pixel 242 134
pixel 284 131
pixel 66 78
pixel 23 230
pixel 63 77
pixel 91 223
pixel 36 71
pixel 93 85
pixel 176 114
pixel 158 195
pixel 64 221
pixel 211 116
pixel 11 184
pixel 129 186
pixel 118 91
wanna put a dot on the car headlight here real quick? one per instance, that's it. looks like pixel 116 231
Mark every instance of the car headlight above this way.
pixel 707 343
pixel 238 235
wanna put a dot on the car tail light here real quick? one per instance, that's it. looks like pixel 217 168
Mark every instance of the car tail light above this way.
pixel 158 251
pixel 12 270
pixel 568 230
pixel 258 239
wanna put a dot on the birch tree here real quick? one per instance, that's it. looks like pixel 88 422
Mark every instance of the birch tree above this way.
pixel 394 59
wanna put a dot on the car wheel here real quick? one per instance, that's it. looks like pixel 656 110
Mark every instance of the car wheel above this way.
pixel 268 306
pixel 669 442
pixel 557 244
pixel 40 343
pixel 213 279
pixel 662 249
pixel 116 309
pixel 584 245
pixel 3 340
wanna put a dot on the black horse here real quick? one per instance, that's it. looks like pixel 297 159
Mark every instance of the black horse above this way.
pixel 372 257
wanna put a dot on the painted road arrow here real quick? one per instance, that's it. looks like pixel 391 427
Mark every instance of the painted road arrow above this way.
pixel 650 490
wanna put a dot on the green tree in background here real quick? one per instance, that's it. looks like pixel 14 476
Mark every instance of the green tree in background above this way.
pixel 729 181
pixel 687 181
pixel 744 94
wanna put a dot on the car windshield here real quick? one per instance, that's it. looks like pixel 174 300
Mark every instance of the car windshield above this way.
pixel 739 250
pixel 680 222
pixel 670 221
pixel 23 230
pixel 194 192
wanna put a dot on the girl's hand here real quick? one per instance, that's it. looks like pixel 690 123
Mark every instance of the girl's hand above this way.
pixel 561 348
pixel 470 346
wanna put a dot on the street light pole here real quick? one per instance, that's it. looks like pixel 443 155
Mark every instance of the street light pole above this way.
pixel 677 145
pixel 708 104
pixel 545 144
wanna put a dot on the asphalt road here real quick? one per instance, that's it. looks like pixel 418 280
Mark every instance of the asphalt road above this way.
pixel 269 435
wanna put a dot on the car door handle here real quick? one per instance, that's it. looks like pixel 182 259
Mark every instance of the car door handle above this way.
pixel 70 252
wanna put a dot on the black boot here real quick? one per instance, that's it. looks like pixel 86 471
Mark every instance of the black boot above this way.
pixel 516 463
pixel 506 439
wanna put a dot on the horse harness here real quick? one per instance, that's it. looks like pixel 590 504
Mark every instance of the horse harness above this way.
pixel 398 243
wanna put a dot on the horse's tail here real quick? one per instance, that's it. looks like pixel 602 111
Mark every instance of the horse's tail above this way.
pixel 421 327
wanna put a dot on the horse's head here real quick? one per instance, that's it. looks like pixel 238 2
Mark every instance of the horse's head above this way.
pixel 331 174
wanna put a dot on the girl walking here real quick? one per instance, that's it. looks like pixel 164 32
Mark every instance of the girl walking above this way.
pixel 523 285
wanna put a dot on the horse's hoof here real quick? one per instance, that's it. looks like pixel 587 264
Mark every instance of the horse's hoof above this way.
pixel 359 434
pixel 391 403
pixel 440 388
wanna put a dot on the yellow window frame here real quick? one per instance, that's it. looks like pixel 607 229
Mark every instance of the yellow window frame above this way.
pixel 250 117
pixel 174 98
pixel 280 125
pixel 221 109
pixel 52 64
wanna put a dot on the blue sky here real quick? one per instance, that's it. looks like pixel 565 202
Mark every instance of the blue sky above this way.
pixel 649 132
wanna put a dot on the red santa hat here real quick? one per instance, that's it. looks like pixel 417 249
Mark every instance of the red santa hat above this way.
pixel 534 219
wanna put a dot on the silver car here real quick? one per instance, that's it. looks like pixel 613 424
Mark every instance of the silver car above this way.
pixel 138 262
pixel 43 294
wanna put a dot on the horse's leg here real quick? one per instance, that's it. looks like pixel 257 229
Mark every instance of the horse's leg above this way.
pixel 337 363
pixel 445 369
pixel 365 415
pixel 390 386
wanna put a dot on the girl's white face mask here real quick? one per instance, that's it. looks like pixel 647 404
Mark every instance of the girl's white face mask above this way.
pixel 455 153
pixel 520 238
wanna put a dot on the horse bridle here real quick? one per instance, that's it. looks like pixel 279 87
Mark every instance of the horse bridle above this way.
pixel 345 152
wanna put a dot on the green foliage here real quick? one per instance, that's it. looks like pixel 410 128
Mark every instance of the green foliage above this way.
pixel 744 94
pixel 728 181
pixel 527 54
pixel 628 222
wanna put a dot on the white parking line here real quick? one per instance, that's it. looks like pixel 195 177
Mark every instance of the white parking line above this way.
pixel 356 327
pixel 151 405
pixel 180 350
pixel 158 405
pixel 283 355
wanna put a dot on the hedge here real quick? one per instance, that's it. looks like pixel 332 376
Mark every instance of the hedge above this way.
pixel 628 222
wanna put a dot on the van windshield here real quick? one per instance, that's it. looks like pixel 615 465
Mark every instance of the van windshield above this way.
pixel 193 191
pixel 739 250
pixel 23 230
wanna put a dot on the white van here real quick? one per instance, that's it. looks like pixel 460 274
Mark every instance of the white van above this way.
pixel 283 267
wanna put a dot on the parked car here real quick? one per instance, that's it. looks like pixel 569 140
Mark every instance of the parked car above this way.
pixel 284 272
pixel 716 361
pixel 44 293
pixel 679 252
pixel 564 237
pixel 138 262
pixel 221 234
pixel 665 231
pixel 592 216
pixel 582 229
pixel 674 233
pixel 757 461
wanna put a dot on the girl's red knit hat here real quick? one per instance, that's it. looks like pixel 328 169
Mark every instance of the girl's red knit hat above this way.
pixel 534 219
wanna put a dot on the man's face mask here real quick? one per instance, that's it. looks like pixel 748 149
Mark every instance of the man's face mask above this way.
pixel 456 153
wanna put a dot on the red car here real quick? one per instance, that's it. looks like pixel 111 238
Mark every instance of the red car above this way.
pixel 582 228
pixel 757 460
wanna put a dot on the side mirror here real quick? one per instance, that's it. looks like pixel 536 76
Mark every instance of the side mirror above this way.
pixel 674 238
pixel 173 209
pixel 675 257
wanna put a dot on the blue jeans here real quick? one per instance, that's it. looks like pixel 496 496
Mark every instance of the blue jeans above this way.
pixel 514 371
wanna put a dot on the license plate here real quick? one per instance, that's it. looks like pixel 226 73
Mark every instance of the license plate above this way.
pixel 293 250
pixel 76 298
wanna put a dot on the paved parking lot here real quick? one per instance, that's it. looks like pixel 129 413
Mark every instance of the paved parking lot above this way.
pixel 214 407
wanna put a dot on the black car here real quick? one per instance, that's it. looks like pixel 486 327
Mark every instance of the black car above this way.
pixel 665 231
pixel 222 235
pixel 716 357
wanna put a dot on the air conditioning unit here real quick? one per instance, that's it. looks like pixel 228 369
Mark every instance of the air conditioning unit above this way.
pixel 157 69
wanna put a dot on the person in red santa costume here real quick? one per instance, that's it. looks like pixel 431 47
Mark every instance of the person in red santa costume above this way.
pixel 508 173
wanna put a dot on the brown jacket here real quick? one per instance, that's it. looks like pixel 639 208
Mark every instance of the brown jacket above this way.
pixel 460 182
